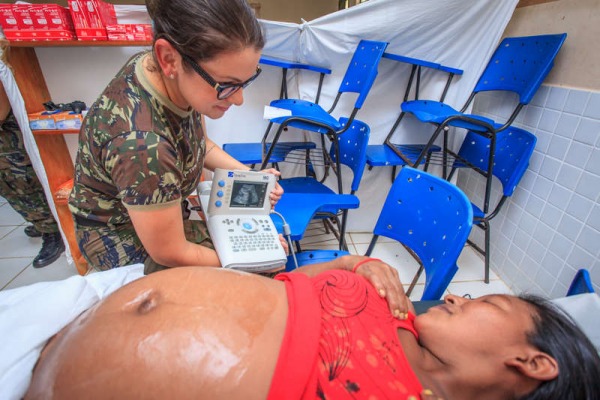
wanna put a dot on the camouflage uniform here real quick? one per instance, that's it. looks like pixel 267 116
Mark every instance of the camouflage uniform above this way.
pixel 19 184
pixel 136 149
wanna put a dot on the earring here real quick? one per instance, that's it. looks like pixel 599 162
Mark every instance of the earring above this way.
pixel 172 76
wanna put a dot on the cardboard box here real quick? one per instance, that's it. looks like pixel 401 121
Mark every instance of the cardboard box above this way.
pixel 90 18
pixel 38 18
pixel 23 16
pixel 42 120
pixel 67 120
pixel 7 18
pixel 77 15
pixel 91 34
pixel 139 32
pixel 48 22
pixel 58 17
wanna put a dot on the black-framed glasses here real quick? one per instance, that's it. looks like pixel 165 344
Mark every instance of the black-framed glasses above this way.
pixel 224 90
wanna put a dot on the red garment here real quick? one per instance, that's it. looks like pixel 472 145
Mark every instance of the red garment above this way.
pixel 341 342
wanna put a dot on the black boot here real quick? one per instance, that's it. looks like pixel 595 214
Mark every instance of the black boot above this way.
pixel 52 248
pixel 32 232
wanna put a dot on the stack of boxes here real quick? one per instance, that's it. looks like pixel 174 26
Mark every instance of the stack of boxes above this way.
pixel 49 120
pixel 83 20
pixel 36 22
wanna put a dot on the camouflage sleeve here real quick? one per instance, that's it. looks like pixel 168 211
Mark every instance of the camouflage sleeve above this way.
pixel 144 168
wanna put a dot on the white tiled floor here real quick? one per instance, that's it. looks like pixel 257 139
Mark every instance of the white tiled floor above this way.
pixel 17 252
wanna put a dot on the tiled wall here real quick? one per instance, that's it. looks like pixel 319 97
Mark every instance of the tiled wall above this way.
pixel 551 225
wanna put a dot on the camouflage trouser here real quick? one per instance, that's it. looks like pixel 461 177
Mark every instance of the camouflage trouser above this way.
pixel 19 184
pixel 110 247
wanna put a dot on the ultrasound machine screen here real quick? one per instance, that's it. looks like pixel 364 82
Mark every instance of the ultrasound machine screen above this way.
pixel 248 194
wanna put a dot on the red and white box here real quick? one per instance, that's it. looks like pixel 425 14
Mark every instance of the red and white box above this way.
pixel 51 22
pixel 8 20
pixel 25 30
pixel 90 18
pixel 22 13
pixel 38 18
pixel 36 22
pixel 129 32
pixel 58 17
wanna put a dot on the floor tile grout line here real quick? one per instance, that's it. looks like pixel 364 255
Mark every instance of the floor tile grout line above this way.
pixel 16 276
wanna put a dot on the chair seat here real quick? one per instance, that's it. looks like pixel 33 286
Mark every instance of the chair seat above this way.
pixel 381 155
pixel 301 185
pixel 436 113
pixel 251 153
pixel 307 110
pixel 300 208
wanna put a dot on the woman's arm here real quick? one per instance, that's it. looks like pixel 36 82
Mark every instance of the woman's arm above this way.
pixel 162 234
pixel 381 275
pixel 216 157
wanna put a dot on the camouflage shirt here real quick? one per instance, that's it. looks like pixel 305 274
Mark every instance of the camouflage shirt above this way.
pixel 136 148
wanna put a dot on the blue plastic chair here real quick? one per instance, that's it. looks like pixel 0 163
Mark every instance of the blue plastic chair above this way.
pixel 252 153
pixel 307 195
pixel 582 283
pixel 513 150
pixel 430 217
pixel 519 65
pixel 382 155
pixel 359 78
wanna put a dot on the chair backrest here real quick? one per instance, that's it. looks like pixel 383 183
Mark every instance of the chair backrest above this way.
pixel 362 70
pixel 353 149
pixel 520 65
pixel 433 218
pixel 514 147
pixel 582 283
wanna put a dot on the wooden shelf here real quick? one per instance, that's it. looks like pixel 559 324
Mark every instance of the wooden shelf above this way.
pixel 55 131
pixel 51 144
pixel 79 43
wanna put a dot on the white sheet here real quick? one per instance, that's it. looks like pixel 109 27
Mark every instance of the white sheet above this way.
pixel 31 315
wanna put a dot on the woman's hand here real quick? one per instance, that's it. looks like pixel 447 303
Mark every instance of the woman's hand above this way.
pixel 277 192
pixel 284 244
pixel 386 281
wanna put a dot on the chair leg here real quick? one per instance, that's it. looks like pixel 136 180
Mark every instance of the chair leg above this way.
pixel 415 280
pixel 372 245
pixel 485 252
pixel 427 161
pixel 326 225
pixel 486 231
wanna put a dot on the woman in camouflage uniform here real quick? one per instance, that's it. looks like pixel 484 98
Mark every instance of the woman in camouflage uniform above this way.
pixel 143 144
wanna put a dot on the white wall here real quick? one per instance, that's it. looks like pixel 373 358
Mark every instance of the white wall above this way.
pixel 551 225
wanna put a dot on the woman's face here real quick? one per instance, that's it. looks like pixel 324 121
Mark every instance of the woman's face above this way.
pixel 226 68
pixel 469 330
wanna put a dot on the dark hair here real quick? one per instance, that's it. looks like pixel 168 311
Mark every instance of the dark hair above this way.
pixel 202 29
pixel 556 334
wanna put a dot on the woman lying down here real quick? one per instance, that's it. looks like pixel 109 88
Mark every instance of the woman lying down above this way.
pixel 322 332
